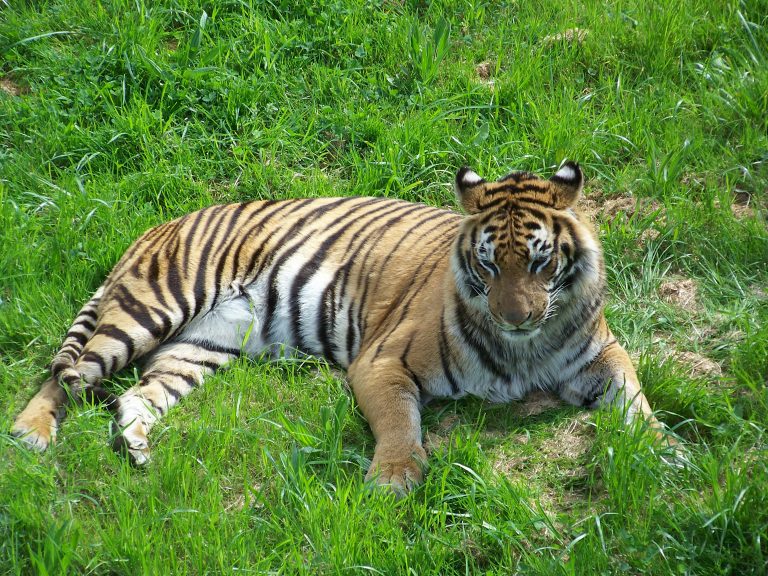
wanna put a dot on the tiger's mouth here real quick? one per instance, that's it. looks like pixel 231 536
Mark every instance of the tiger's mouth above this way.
pixel 518 332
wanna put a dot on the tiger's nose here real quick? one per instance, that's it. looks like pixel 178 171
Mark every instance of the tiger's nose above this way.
pixel 516 317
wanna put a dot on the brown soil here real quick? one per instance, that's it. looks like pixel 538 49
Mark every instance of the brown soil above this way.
pixel 10 87
pixel 699 366
pixel 742 205
pixel 681 293
pixel 483 70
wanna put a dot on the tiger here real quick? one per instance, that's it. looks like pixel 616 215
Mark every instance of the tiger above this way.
pixel 416 302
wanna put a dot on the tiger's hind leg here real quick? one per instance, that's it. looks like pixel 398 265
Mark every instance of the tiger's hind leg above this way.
pixel 37 424
pixel 106 336
pixel 170 373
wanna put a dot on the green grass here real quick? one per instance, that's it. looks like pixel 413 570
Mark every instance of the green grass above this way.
pixel 115 116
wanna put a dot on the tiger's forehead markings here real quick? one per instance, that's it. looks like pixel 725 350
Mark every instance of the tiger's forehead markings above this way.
pixel 517 177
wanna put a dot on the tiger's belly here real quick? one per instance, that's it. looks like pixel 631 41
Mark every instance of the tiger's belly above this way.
pixel 242 320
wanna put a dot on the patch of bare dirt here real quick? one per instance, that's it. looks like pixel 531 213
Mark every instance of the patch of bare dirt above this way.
pixel 742 205
pixel 437 438
pixel 536 403
pixel 624 205
pixel 681 293
pixel 483 70
pixel 10 87
pixel 568 36
pixel 648 235
pixel 699 366
pixel 237 500
pixel 759 292
pixel 621 205
pixel 692 180
pixel 570 441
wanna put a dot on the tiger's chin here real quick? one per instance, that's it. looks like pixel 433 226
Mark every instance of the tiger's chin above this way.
pixel 519 334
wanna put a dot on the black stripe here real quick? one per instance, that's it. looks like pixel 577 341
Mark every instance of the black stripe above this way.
pixel 327 315
pixel 601 354
pixel 522 212
pixel 98 395
pixel 472 280
pixel 580 352
pixel 404 306
pixel 445 357
pixel 87 312
pixel 133 248
pixel 469 332
pixel 86 323
pixel 187 378
pixel 363 285
pixel 406 366
pixel 117 333
pixel 518 177
pixel 329 300
pixel 192 230
pixel 146 244
pixel 571 229
pixel 175 283
pixel 70 379
pixel 79 337
pixel 172 391
pixel 589 313
pixel 213 347
pixel 74 353
pixel 95 358
pixel 142 313
pixel 532 200
pixel 432 213
pixel 205 363
pixel 155 406
pixel 153 278
pixel 496 202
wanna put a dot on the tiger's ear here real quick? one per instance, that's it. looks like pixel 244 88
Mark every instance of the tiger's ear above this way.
pixel 469 190
pixel 566 185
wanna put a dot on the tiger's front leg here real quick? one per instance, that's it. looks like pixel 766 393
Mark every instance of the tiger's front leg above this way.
pixel 610 380
pixel 389 400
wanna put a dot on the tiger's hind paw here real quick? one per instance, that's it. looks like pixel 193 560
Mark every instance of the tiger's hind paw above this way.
pixel 131 442
pixel 676 455
pixel 35 431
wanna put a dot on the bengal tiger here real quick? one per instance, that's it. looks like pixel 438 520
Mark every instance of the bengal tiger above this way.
pixel 416 302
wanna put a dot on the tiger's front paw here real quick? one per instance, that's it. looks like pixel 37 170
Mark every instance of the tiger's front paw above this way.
pixel 400 470
pixel 35 428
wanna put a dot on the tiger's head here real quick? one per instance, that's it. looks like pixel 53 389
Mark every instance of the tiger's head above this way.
pixel 522 251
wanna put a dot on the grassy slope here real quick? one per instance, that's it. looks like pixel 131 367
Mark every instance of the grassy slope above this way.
pixel 128 113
